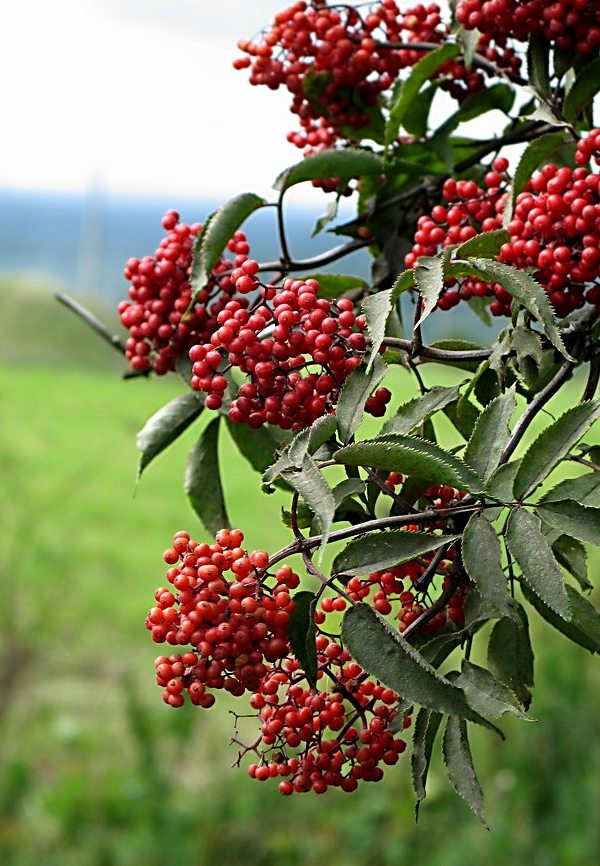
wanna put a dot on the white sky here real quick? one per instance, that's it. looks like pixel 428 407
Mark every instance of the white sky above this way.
pixel 137 96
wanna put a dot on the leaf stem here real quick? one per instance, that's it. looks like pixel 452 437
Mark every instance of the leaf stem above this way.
pixel 90 319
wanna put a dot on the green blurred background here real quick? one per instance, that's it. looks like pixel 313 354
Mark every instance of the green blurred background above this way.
pixel 94 769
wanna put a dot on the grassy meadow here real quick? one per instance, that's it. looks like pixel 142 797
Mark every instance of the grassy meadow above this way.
pixel 94 769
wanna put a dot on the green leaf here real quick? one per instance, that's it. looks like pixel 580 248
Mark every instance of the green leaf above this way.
pixel 480 306
pixel 501 481
pixel 538 62
pixel 553 444
pixel 416 121
pixel 527 292
pixel 585 87
pixel 217 232
pixel 345 164
pixel 459 765
pixel 347 488
pixel 412 414
pixel 527 344
pixel 355 391
pixel 408 90
pixel 487 244
pixel 510 656
pixel 302 631
pixel 469 39
pixel 334 285
pixel 329 215
pixel 536 560
pixel 376 551
pixel 165 426
pixel 537 152
pixel 386 655
pixel 202 480
pixel 486 694
pixel 426 726
pixel 463 414
pixel 410 455
pixel 482 557
pixel 584 625
pixel 429 277
pixel 377 308
pixel 310 483
pixel 585 489
pixel 491 434
pixel 572 555
pixel 578 521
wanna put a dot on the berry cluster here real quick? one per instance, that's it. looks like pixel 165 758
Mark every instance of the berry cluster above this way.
pixel 573 25
pixel 160 317
pixel 297 353
pixel 554 231
pixel 236 624
pixel 337 61
pixel 468 210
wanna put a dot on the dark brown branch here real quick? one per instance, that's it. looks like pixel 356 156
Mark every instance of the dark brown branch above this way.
pixel 91 320
pixel 437 354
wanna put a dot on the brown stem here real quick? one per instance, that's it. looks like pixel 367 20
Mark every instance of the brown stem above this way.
pixel 91 320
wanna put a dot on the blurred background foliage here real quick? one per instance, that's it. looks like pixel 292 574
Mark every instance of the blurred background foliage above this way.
pixel 94 769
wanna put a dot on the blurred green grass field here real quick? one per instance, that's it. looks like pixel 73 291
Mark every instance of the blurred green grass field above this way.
pixel 95 770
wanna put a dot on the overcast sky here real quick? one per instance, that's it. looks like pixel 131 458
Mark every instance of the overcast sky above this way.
pixel 137 96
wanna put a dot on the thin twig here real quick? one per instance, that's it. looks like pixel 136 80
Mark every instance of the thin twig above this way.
pixel 91 320
pixel 437 354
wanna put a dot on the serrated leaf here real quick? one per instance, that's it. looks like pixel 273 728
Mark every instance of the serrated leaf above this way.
pixel 355 391
pixel 302 631
pixel 491 434
pixel 217 232
pixel 482 557
pixel 487 244
pixel 553 444
pixel 165 426
pixel 437 650
pixel 480 306
pixel 578 521
pixel 377 308
pixel 202 480
pixel 527 344
pixel 346 488
pixel 417 119
pixel 329 215
pixel 486 694
pixel 572 555
pixel 527 292
pixel 510 656
pixel 584 626
pixel 429 278
pixel 463 414
pixel 316 493
pixel 376 551
pixel 345 163
pixel 537 152
pixel 459 765
pixel 585 489
pixel 533 554
pixel 585 87
pixel 412 414
pixel 407 91
pixel 334 285
pixel 538 63
pixel 501 482
pixel 386 655
pixel 425 729
pixel 411 456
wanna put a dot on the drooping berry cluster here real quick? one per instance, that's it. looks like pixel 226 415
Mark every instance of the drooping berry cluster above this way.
pixel 573 25
pixel 160 318
pixel 234 617
pixel 337 61
pixel 468 210
pixel 297 353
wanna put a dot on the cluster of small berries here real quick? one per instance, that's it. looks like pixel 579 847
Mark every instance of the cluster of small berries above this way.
pixel 469 209
pixel 160 317
pixel 278 346
pixel 236 624
pixel 554 231
pixel 233 615
pixel 336 62
pixel 573 25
